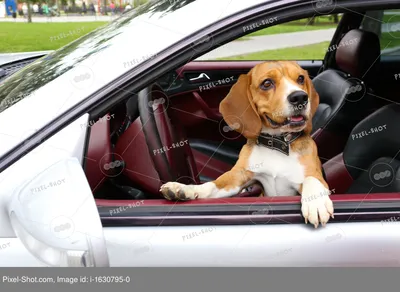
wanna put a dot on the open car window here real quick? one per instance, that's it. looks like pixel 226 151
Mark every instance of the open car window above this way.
pixel 386 25
pixel 303 39
pixel 194 106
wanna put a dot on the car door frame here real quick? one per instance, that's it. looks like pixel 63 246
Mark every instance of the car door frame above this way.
pixel 240 243
pixel 240 238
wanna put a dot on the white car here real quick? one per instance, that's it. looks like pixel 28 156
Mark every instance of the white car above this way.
pixel 86 142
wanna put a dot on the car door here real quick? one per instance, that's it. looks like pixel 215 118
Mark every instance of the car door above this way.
pixel 247 231
pixel 226 232
pixel 48 213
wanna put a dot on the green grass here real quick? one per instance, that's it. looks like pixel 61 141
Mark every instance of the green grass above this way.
pixel 27 37
pixel 298 25
pixel 390 40
pixel 389 18
pixel 309 52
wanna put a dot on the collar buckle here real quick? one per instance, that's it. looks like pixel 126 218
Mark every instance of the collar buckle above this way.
pixel 288 137
pixel 279 143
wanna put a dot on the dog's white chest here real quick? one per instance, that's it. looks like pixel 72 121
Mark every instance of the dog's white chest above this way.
pixel 280 174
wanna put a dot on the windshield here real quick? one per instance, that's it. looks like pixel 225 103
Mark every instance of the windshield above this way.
pixel 28 80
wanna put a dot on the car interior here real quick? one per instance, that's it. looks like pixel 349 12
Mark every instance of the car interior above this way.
pixel 173 131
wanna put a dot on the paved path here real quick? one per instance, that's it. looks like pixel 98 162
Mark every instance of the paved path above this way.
pixel 270 42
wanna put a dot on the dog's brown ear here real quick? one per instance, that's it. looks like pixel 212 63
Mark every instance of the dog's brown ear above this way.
pixel 314 102
pixel 239 110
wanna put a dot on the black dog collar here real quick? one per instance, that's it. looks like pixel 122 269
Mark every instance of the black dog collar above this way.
pixel 280 143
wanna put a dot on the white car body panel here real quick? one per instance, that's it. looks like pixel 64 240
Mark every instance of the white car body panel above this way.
pixel 70 142
pixel 336 245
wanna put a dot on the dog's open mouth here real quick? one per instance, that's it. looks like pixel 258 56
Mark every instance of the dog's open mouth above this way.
pixel 296 120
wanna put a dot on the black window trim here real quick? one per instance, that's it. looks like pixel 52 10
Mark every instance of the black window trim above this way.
pixel 178 214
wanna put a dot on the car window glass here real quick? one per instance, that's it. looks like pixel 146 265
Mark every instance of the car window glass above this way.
pixel 303 39
pixel 26 81
pixel 386 25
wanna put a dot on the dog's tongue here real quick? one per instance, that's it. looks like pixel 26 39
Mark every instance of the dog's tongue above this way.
pixel 296 118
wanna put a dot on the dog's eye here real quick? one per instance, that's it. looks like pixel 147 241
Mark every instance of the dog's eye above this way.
pixel 300 80
pixel 267 84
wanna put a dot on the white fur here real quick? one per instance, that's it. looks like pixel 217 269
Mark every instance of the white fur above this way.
pixel 288 108
pixel 280 175
pixel 289 88
pixel 316 204
pixel 203 191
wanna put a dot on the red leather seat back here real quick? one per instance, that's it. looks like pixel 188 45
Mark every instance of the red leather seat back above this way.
pixel 139 167
pixel 99 153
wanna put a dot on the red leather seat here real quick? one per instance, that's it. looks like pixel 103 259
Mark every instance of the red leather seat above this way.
pixel 139 167
pixel 99 153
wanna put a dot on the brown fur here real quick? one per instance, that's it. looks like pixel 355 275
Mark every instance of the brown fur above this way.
pixel 246 104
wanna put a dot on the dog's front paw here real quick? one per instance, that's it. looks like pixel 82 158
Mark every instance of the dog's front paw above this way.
pixel 316 205
pixel 317 210
pixel 175 191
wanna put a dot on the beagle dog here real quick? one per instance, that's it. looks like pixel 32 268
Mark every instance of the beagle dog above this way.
pixel 272 106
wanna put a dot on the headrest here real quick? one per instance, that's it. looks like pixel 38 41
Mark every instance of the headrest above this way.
pixel 374 137
pixel 358 53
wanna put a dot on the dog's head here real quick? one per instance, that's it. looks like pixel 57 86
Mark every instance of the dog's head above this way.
pixel 274 98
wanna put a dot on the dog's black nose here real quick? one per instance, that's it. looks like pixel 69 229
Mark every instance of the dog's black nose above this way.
pixel 298 97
